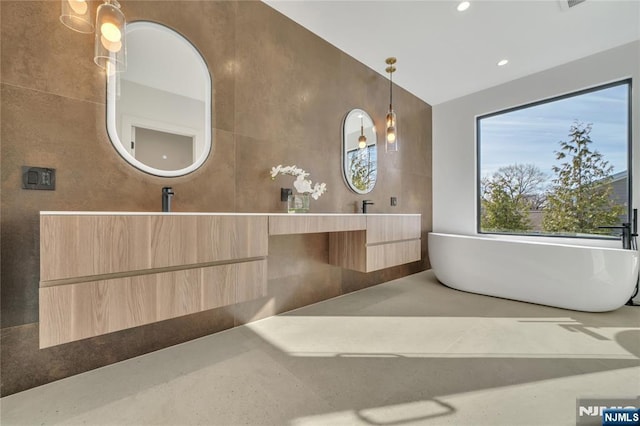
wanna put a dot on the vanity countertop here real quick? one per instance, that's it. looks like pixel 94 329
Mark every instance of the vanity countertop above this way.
pixel 104 213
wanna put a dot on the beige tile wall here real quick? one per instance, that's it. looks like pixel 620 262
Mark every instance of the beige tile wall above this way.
pixel 280 94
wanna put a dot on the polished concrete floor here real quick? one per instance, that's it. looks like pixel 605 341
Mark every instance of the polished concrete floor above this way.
pixel 407 352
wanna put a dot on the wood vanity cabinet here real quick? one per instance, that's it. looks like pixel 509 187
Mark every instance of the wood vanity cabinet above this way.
pixel 363 243
pixel 389 240
pixel 104 272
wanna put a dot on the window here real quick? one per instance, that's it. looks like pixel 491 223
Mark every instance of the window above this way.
pixel 559 167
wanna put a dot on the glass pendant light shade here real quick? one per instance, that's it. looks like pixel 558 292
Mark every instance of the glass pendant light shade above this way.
pixel 110 46
pixel 392 132
pixel 75 15
pixel 391 138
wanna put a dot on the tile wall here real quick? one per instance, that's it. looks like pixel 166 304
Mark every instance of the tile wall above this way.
pixel 280 94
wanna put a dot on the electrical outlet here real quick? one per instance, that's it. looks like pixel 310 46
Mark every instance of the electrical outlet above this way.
pixel 394 201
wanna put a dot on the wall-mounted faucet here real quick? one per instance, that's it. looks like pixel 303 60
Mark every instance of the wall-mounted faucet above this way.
pixel 628 233
pixel 366 203
pixel 167 193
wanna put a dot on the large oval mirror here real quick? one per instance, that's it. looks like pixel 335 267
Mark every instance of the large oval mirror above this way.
pixel 159 109
pixel 359 151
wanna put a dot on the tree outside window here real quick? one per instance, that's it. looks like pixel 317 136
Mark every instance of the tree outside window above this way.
pixel 542 172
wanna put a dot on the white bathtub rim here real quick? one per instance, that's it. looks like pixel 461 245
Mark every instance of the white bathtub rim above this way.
pixel 514 239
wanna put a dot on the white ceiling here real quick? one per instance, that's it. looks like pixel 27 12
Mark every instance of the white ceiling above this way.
pixel 444 54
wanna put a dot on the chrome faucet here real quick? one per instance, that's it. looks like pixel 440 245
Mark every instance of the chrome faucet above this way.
pixel 366 203
pixel 167 193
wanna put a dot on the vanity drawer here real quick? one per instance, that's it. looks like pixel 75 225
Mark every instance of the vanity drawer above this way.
pixel 72 247
pixel 386 228
pixel 392 254
pixel 77 311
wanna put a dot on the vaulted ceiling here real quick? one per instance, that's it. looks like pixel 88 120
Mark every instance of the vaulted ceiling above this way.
pixel 444 54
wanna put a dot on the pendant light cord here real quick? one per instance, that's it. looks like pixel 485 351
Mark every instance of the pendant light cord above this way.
pixel 390 90
pixel 390 69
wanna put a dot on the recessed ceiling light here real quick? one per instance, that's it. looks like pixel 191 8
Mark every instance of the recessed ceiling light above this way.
pixel 464 5
pixel 503 62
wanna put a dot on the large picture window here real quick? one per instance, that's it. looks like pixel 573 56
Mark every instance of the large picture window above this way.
pixel 559 167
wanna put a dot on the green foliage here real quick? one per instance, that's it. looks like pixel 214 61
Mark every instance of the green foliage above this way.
pixel 361 170
pixel 580 196
pixel 501 213
pixel 507 197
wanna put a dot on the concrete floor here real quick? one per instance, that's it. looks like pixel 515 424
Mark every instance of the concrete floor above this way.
pixel 406 352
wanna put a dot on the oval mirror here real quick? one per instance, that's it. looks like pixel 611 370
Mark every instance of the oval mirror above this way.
pixel 159 109
pixel 359 151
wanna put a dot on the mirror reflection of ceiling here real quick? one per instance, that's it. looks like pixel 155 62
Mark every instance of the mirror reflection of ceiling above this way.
pixel 444 54
pixel 352 131
pixel 149 49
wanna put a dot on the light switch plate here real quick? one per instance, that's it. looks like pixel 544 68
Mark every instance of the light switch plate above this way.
pixel 41 178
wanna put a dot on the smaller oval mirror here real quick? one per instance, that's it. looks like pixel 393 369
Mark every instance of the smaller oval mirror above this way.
pixel 159 109
pixel 359 151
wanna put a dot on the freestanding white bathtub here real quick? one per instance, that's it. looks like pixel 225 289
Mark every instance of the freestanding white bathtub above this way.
pixel 590 279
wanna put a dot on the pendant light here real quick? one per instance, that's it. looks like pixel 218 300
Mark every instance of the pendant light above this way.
pixel 392 125
pixel 362 140
pixel 75 15
pixel 110 46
